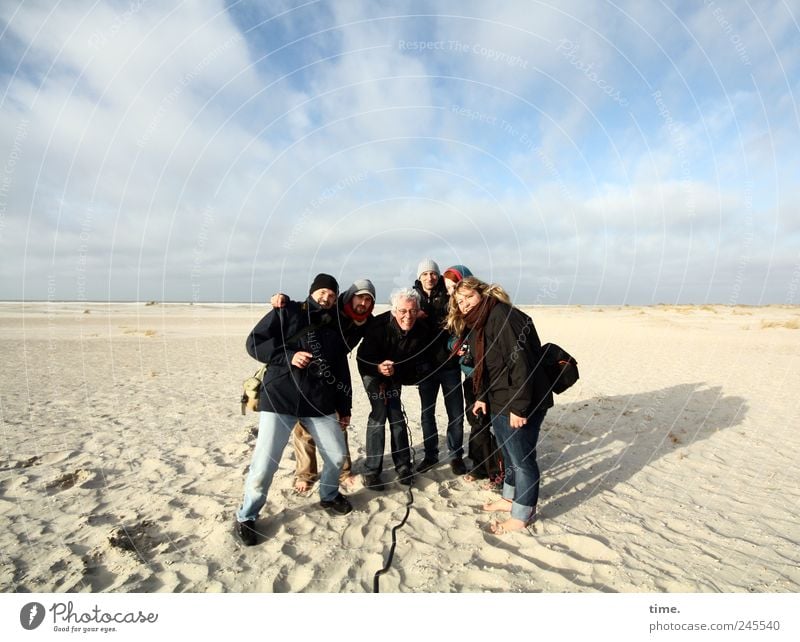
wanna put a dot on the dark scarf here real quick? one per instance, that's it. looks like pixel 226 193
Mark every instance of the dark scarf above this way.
pixel 475 320
pixel 317 315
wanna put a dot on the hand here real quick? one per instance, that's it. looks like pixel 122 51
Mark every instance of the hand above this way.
pixel 279 300
pixel 479 408
pixel 516 421
pixel 302 359
pixel 386 368
pixel 344 421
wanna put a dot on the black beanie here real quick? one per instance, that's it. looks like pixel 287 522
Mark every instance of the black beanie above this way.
pixel 323 281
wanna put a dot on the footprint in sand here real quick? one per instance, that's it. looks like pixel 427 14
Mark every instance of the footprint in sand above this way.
pixel 28 462
pixel 80 476
pixel 300 527
pixel 141 539
pixel 583 547
pixel 293 580
pixel 353 536
pixel 193 574
pixel 493 556
pixel 465 531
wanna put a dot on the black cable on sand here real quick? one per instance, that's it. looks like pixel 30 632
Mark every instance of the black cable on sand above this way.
pixel 388 565
pixel 376 580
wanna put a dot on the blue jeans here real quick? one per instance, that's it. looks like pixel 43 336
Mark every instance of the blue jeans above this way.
pixel 385 404
pixel 273 435
pixel 522 472
pixel 450 381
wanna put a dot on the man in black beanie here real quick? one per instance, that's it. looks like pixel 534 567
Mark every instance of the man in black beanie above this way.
pixel 308 380
pixel 354 315
pixel 325 282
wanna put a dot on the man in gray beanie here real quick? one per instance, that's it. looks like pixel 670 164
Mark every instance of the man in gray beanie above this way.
pixel 307 381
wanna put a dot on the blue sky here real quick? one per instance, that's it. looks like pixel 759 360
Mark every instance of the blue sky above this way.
pixel 575 152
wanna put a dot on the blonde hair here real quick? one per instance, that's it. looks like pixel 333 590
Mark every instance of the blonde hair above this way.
pixel 455 319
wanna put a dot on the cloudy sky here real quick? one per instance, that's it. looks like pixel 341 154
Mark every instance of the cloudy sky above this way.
pixel 575 152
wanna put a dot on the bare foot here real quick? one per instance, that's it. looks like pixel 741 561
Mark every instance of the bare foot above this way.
pixel 493 483
pixel 301 486
pixel 503 505
pixel 509 526
pixel 349 482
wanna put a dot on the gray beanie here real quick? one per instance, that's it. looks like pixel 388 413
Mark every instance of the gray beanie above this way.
pixel 427 265
pixel 360 286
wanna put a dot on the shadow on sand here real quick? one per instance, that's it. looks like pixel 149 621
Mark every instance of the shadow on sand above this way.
pixel 593 445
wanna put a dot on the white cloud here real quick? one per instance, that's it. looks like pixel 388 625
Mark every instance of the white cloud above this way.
pixel 200 146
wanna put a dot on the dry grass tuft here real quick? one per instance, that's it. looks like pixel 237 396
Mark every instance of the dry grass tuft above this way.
pixel 792 324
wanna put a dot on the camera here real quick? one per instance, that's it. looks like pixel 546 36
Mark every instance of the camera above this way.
pixel 316 368
pixel 467 359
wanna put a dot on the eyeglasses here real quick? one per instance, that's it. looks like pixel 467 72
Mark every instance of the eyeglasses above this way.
pixel 407 313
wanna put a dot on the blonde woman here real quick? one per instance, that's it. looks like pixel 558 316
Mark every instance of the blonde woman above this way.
pixel 485 456
pixel 505 349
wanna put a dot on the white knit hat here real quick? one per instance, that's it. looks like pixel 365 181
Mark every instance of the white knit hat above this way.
pixel 427 265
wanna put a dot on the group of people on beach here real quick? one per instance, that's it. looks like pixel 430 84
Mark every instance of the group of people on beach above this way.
pixel 448 324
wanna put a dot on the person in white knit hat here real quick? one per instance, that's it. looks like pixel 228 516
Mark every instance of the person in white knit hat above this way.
pixel 446 375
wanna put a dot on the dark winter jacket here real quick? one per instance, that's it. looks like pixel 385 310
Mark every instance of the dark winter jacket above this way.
pixel 319 389
pixel 436 306
pixel 384 340
pixel 512 380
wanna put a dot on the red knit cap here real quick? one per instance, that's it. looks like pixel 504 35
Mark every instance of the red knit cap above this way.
pixel 456 273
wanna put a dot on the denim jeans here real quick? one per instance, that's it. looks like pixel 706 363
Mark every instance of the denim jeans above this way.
pixel 522 472
pixel 450 381
pixel 385 404
pixel 273 435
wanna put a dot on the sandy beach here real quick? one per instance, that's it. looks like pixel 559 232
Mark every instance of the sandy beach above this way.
pixel 671 466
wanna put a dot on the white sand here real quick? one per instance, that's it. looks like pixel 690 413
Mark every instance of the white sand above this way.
pixel 671 466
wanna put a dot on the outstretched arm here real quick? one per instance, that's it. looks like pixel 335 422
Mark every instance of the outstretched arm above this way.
pixel 279 300
pixel 265 343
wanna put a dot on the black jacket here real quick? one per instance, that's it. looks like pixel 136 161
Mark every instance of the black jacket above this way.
pixel 321 388
pixel 409 350
pixel 436 306
pixel 512 378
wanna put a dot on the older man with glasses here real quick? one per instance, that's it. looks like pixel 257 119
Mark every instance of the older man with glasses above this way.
pixel 394 353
